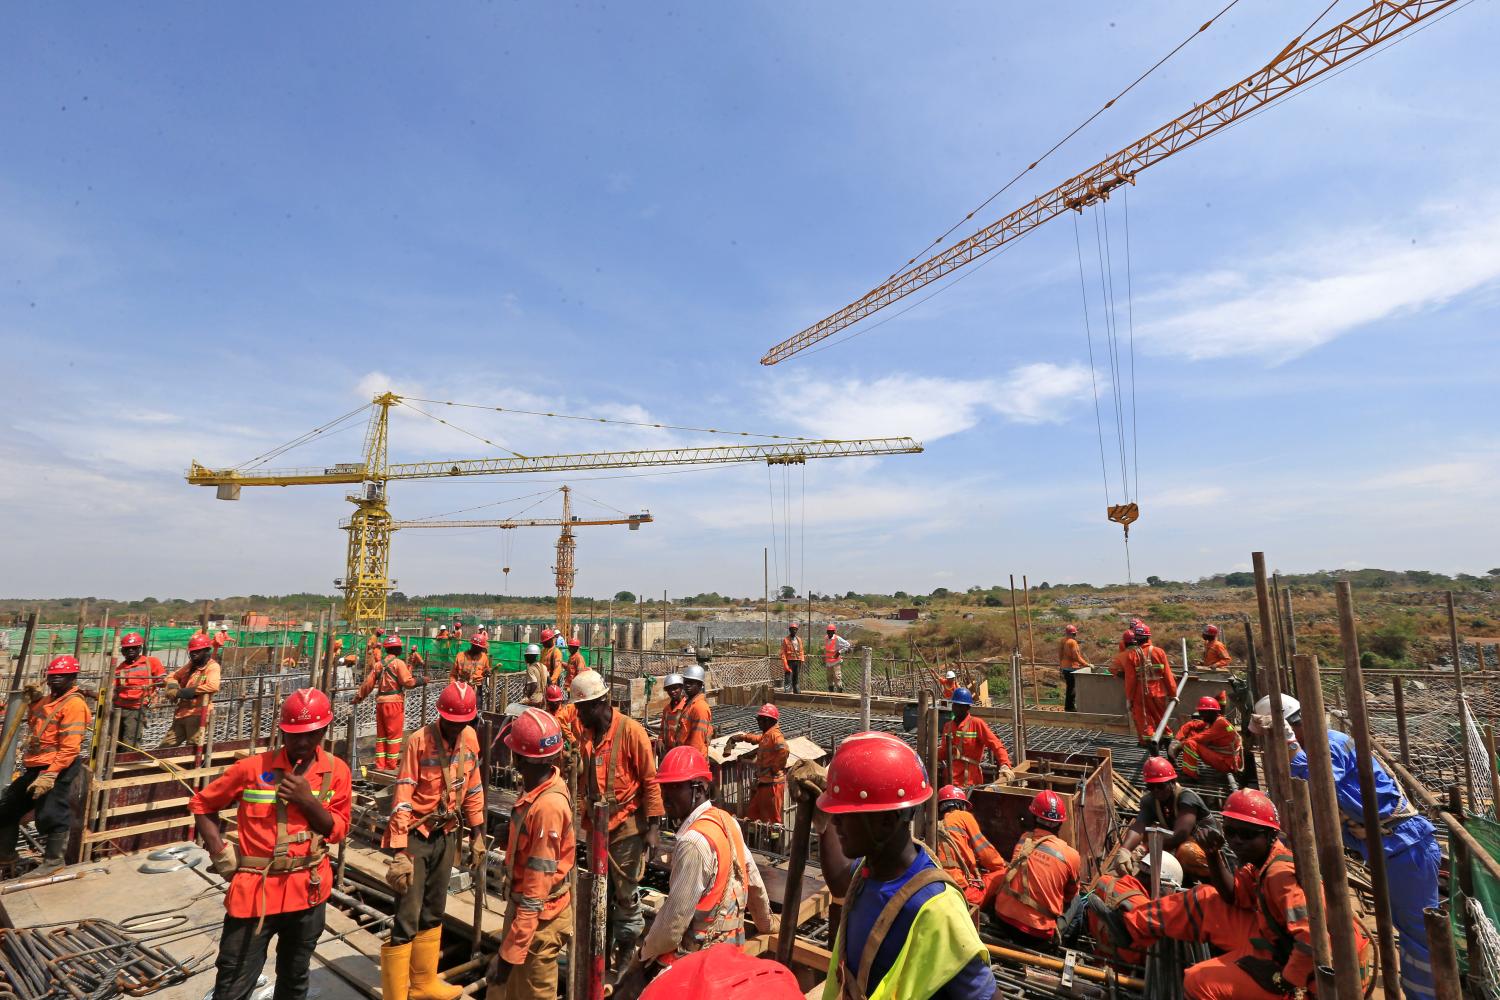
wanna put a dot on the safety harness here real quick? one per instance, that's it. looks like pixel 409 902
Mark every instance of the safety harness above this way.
pixel 517 900
pixel 1015 883
pixel 387 675
pixel 857 987
pixel 281 862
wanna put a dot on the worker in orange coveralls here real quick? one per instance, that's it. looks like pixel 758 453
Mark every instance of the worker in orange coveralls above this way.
pixel 576 663
pixel 440 786
pixel 293 803
pixel 965 853
pixel 57 722
pixel 1113 897
pixel 1149 684
pixel 671 713
pixel 1042 879
pixel 552 658
pixel 792 658
pixel 769 800
pixel 137 677
pixel 1069 659
pixel 966 737
pixel 540 848
pixel 947 685
pixel 695 724
pixel 1215 653
pixel 1208 743
pixel 193 687
pixel 389 679
pixel 472 665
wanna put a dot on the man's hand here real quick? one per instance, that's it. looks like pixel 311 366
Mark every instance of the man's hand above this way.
pixel 225 860
pixel 399 874
pixel 1209 837
pixel 478 852
pixel 43 784
pixel 357 699
pixel 810 776
pixel 498 972
pixel 34 693
pixel 295 789
pixel 653 833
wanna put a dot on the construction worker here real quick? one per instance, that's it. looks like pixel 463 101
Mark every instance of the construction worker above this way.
pixel 1274 956
pixel 1170 805
pixel 671 713
pixel 724 972
pixel 834 648
pixel 389 678
pixel 137 677
pixel 440 784
pixel 567 720
pixel 621 772
pixel 695 725
pixel 791 659
pixel 540 847
pixel 56 723
pixel 966 738
pixel 1208 743
pixel 536 676
pixel 222 638
pixel 552 658
pixel 443 632
pixel 458 629
pixel 1070 658
pixel 1129 640
pixel 1410 843
pixel 1215 653
pixel 1149 684
pixel 293 803
pixel 947 685
pixel 576 663
pixel 963 850
pixel 472 666
pixel 1111 900
pixel 192 688
pixel 905 929
pixel 714 878
pixel 1042 878
pixel 769 799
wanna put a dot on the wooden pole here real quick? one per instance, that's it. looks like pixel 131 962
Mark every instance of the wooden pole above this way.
pixel 1309 867
pixel 15 710
pixel 1445 977
pixel 1278 773
pixel 1291 622
pixel 83 612
pixel 791 901
pixel 1290 685
pixel 933 725
pixel 1489 751
pixel 1036 689
pixel 1459 855
pixel 1270 659
pixel 1463 719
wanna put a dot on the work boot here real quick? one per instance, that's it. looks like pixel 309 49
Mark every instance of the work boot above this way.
pixel 426 984
pixel 52 852
pixel 395 971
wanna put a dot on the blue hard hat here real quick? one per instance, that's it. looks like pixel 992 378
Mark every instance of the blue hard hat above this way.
pixel 962 697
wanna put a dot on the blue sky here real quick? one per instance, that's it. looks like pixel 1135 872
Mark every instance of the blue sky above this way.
pixel 222 227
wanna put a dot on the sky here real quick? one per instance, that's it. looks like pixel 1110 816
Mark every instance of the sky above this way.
pixel 223 226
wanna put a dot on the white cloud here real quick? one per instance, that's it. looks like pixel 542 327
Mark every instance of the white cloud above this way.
pixel 1447 476
pixel 1323 286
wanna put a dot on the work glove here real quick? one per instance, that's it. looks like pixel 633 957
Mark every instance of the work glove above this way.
pixel 478 853
pixel 34 693
pixel 226 862
pixel 1174 748
pixel 1120 863
pixel 43 784
pixel 398 873
pixel 810 776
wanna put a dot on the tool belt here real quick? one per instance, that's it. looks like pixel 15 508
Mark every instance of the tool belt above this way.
pixel 283 865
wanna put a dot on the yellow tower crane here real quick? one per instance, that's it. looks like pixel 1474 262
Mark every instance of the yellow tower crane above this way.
pixel 565 569
pixel 367 582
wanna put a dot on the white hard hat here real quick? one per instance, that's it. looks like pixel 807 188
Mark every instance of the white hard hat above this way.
pixel 1171 868
pixel 533 650
pixel 1260 719
pixel 693 672
pixel 950 676
pixel 589 685
pixel 672 680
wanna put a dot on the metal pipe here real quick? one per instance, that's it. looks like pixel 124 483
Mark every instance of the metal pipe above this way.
pixel 599 929
pixel 864 691
pixel 1447 984
pixel 791 902
pixel 1057 965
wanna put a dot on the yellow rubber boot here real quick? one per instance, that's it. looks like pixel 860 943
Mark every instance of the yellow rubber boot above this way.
pixel 395 971
pixel 426 984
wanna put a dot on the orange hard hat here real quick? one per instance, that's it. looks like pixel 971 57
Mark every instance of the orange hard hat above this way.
pixel 458 702
pixel 63 664
pixel 1159 770
pixel 535 734
pixel 131 639
pixel 305 710
pixel 198 641
pixel 1048 805
pixel 1250 806
pixel 874 772
pixel 769 711
pixel 683 763
pixel 724 972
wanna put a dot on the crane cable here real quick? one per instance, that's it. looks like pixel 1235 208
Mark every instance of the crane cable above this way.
pixel 612 420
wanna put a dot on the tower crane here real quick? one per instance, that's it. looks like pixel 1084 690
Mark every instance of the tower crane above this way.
pixel 366 581
pixel 565 569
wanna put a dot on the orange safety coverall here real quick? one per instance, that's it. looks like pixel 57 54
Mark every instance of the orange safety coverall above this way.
pixel 631 785
pixel 1124 894
pixel 1215 655
pixel 256 892
pixel 1149 685
pixel 947 686
pixel 695 726
pixel 134 681
pixel 202 681
pixel 671 717
pixel 576 665
pixel 1038 886
pixel 770 776
pixel 57 729
pixel 567 721
pixel 1196 914
pixel 552 662
pixel 964 744
pixel 791 649
pixel 967 855
pixel 424 799
pixel 389 678
pixel 470 668
pixel 1069 656
pixel 1210 748
pixel 540 849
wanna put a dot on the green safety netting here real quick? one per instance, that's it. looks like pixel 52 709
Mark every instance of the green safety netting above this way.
pixel 1486 888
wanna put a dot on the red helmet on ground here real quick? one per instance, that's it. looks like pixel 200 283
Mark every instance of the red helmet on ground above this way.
pixel 683 763
pixel 63 664
pixel 726 973
pixel 1208 703
pixel 479 639
pixel 1159 771
pixel 1249 806
pixel 131 639
pixel 554 693
pixel 1070 629
pixel 391 642
pixel 874 772
pixel 535 734
pixel 305 710
pixel 1142 630
pixel 458 702
pixel 198 641
pixel 548 635
pixel 575 642
pixel 951 793
pixel 1049 806
pixel 1210 631
pixel 1129 637
pixel 769 711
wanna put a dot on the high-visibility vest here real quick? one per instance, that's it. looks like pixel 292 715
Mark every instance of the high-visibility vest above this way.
pixel 720 914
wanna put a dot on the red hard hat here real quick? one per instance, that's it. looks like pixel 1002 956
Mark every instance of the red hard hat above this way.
pixel 1210 631
pixel 769 711
pixel 391 642
pixel 458 702
pixel 1249 806
pixel 683 763
pixel 198 641
pixel 63 664
pixel 535 734
pixel 1128 638
pixel 575 642
pixel 1159 770
pixel 554 693
pixel 1134 622
pixel 832 627
pixel 952 793
pixel 1143 630
pixel 724 972
pixel 131 639
pixel 1070 629
pixel 305 710
pixel 1208 703
pixel 874 772
pixel 1049 806
pixel 479 639
pixel 548 635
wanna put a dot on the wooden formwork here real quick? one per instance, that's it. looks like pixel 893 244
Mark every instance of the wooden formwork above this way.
pixel 1084 780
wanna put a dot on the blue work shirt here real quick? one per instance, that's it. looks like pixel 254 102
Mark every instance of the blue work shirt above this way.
pixel 1388 796
pixel 974 981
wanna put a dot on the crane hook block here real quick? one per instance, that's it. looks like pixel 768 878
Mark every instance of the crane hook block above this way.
pixel 1124 513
